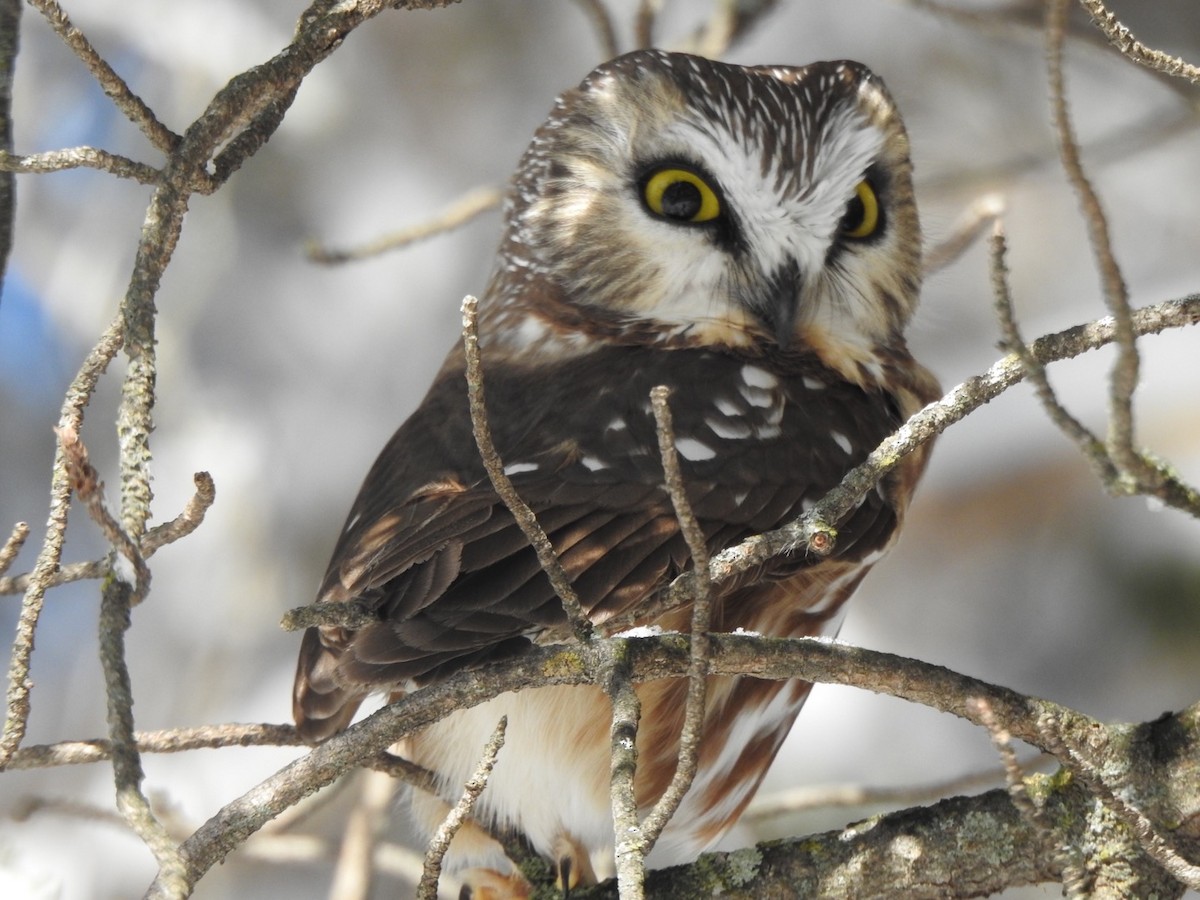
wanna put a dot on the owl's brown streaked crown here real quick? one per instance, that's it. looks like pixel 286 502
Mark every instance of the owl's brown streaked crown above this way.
pixel 785 148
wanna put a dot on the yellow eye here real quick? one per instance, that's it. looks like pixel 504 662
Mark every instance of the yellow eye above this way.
pixel 862 212
pixel 681 196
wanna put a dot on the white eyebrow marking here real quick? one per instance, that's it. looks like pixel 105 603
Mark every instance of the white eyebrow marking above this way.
pixel 694 450
pixel 519 467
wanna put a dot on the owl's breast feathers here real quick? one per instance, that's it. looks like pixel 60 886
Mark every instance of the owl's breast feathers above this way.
pixel 435 554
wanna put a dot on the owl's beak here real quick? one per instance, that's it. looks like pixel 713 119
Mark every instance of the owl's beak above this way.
pixel 779 304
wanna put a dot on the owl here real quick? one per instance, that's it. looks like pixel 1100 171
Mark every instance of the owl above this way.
pixel 746 236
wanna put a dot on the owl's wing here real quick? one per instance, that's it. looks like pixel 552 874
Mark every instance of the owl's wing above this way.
pixel 451 579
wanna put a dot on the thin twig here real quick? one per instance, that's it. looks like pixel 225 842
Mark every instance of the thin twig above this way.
pixel 187 521
pixel 643 23
pixel 175 740
pixel 1124 375
pixel 1090 445
pixel 694 709
pixel 1131 48
pixel 602 21
pixel 132 803
pixel 110 82
pixel 351 614
pixel 80 157
pixel 965 231
pixel 503 486
pixel 1073 876
pixel 50 555
pixel 352 875
pixel 440 842
pixel 13 545
pixel 462 211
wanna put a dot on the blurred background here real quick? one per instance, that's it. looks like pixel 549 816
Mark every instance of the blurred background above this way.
pixel 284 378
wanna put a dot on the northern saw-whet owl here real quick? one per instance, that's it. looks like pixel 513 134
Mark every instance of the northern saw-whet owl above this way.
pixel 746 236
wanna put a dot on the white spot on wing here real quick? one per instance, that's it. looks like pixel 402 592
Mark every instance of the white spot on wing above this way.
pixel 813 384
pixel 727 407
pixel 616 425
pixel 759 378
pixel 593 463
pixel 519 468
pixel 694 450
pixel 730 429
pixel 842 441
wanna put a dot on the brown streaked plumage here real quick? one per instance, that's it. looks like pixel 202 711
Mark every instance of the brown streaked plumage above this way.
pixel 768 285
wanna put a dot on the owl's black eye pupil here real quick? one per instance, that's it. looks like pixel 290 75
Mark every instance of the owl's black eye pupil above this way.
pixel 856 212
pixel 681 200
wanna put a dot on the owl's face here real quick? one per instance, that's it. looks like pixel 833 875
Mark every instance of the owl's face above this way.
pixel 728 204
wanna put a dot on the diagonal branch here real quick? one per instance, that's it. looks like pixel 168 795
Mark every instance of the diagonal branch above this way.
pixel 110 82
pixel 503 485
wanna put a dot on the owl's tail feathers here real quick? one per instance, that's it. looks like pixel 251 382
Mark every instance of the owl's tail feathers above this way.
pixel 321 706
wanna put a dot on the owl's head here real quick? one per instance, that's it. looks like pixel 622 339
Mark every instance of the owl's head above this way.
pixel 723 204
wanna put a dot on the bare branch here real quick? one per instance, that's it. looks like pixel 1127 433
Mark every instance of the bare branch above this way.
pixel 187 521
pixel 156 538
pixel 175 740
pixel 46 565
pixel 628 848
pixel 110 82
pixel 963 233
pixel 503 486
pixel 1124 376
pixel 1131 48
pixel 1150 839
pixel 602 21
pixel 1091 446
pixel 80 157
pixel 13 545
pixel 462 211
pixel 1074 881
pixel 666 656
pixel 440 842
